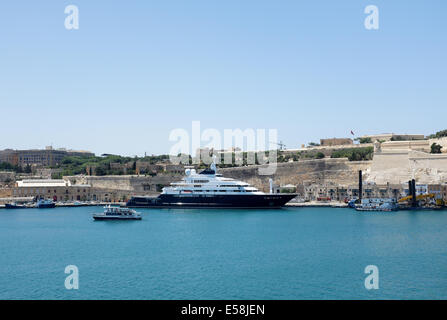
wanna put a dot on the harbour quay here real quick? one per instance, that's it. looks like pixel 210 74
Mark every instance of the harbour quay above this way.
pixel 61 191
pixel 324 174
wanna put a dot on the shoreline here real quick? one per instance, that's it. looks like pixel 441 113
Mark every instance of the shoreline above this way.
pixel 314 204
pixel 71 205
pixel 287 205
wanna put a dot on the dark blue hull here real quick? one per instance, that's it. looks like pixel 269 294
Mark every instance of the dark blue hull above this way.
pixel 46 205
pixel 211 201
pixel 14 206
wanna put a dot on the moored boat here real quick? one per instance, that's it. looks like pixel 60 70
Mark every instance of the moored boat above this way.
pixel 377 204
pixel 15 206
pixel 44 204
pixel 208 189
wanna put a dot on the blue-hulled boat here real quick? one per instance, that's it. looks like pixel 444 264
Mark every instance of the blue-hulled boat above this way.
pixel 41 204
pixel 14 206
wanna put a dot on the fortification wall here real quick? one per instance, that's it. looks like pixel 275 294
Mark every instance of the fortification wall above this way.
pixel 131 183
pixel 5 192
pixel 399 166
pixel 340 171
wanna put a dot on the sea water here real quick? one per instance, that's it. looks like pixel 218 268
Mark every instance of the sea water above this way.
pixel 290 253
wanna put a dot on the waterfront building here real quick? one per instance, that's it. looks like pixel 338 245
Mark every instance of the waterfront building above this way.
pixel 444 192
pixel 436 190
pixel 64 190
pixel 332 191
pixel 421 189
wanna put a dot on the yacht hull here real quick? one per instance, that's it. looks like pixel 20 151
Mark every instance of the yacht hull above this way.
pixel 251 201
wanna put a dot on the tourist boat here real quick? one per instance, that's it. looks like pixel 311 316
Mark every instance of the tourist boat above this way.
pixel 43 204
pixel 378 204
pixel 116 213
pixel 208 189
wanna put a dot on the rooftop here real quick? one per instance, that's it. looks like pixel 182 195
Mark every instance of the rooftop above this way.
pixel 43 183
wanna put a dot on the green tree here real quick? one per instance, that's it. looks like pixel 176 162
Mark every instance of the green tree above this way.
pixel 439 134
pixel 354 154
pixel 436 148
pixel 364 140
pixel 28 169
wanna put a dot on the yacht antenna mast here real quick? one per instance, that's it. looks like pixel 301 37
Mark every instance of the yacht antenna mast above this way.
pixel 213 165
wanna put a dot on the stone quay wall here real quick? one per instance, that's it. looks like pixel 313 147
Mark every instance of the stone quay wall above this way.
pixel 339 171
pixel 322 171
pixel 135 184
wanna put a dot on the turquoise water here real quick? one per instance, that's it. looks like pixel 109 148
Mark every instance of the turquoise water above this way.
pixel 297 253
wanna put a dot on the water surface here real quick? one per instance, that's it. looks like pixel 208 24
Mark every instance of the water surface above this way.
pixel 296 253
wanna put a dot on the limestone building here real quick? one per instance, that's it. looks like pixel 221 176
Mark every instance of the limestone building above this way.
pixel 41 158
pixel 392 136
pixel 64 190
pixel 336 142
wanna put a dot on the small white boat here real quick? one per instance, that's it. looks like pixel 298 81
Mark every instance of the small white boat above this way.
pixel 116 213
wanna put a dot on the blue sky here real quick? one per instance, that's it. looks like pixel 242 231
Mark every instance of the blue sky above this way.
pixel 135 70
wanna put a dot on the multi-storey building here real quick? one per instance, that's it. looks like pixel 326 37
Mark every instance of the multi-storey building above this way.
pixel 41 158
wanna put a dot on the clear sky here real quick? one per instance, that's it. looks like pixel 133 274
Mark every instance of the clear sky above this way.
pixel 135 70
